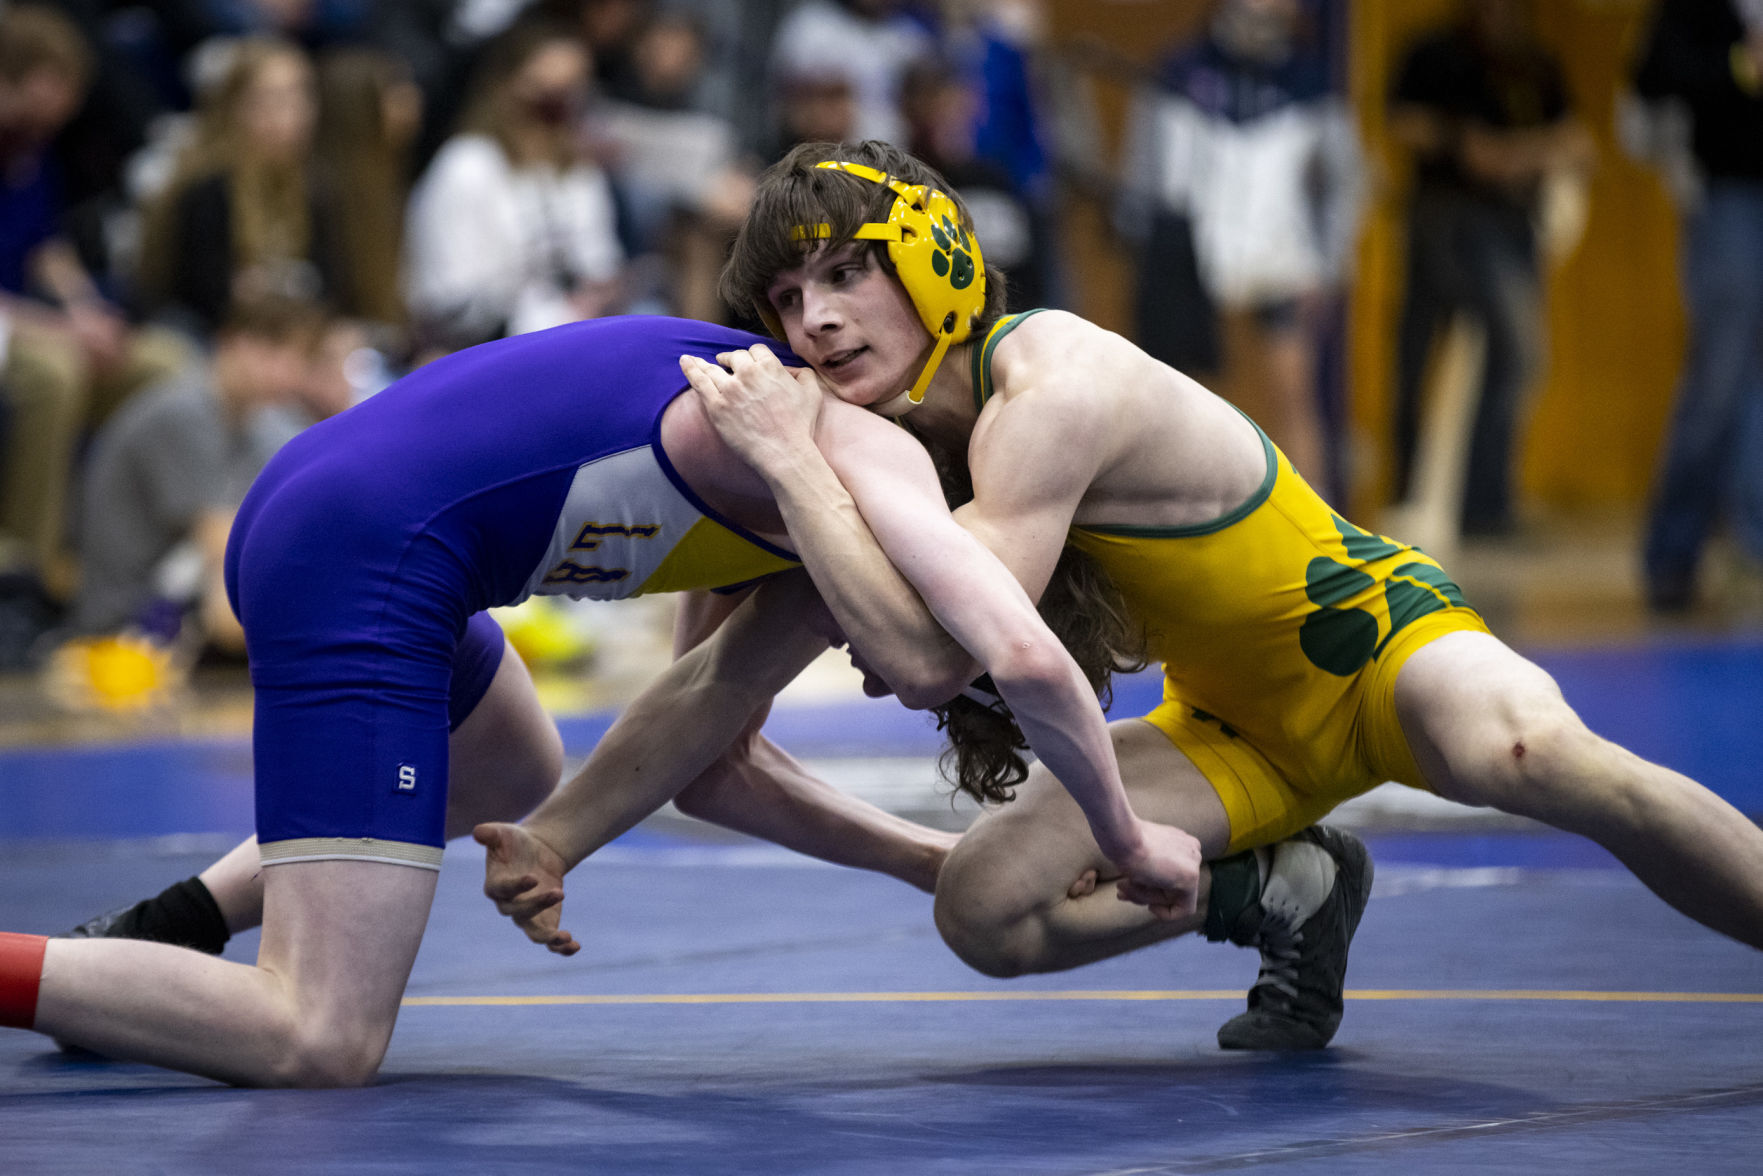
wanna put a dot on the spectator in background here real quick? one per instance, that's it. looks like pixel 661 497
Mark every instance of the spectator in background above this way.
pixel 994 41
pixel 67 356
pixel 369 113
pixel 869 44
pixel 1244 144
pixel 813 106
pixel 246 212
pixel 686 186
pixel 942 109
pixel 513 228
pixel 610 29
pixel 1483 108
pixel 169 469
pixel 1708 55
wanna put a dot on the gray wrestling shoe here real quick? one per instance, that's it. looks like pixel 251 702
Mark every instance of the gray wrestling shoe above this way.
pixel 1315 893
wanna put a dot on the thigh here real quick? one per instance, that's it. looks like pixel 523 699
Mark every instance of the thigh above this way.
pixel 353 620
pixel 505 755
pixel 342 936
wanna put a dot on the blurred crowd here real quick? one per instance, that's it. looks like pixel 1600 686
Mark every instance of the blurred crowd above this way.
pixel 223 220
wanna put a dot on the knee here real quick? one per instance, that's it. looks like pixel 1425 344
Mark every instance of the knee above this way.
pixel 316 1056
pixel 1532 762
pixel 978 920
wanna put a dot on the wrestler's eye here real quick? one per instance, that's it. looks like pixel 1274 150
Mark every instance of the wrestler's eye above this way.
pixel 785 299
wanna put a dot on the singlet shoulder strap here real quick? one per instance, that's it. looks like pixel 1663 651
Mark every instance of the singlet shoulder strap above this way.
pixel 982 355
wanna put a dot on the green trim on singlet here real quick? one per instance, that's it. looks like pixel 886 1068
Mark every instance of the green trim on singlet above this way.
pixel 1218 524
pixel 982 355
pixel 982 392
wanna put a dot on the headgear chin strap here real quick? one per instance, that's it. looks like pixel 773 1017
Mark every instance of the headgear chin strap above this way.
pixel 935 257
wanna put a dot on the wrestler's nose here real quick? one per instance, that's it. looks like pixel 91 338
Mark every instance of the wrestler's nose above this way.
pixel 820 311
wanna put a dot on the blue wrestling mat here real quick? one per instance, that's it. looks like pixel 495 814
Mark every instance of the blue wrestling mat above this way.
pixel 1516 1002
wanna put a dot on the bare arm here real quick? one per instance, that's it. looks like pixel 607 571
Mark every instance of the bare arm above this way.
pixel 725 685
pixel 648 755
pixel 980 602
pixel 757 788
pixel 888 478
pixel 770 415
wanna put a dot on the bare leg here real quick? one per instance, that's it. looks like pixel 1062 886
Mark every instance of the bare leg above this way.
pixel 502 761
pixel 1003 902
pixel 1490 728
pixel 339 939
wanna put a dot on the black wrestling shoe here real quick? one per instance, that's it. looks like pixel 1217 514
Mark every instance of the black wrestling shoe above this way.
pixel 183 915
pixel 1315 893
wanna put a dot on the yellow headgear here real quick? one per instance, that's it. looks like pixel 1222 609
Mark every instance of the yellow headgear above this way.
pixel 938 262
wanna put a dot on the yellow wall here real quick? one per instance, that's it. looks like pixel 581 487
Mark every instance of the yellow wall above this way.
pixel 1614 316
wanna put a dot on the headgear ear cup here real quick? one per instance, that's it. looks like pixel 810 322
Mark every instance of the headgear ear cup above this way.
pixel 936 258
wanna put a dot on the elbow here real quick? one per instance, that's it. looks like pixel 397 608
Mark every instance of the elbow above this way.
pixel 930 682
pixel 929 690
pixel 1033 667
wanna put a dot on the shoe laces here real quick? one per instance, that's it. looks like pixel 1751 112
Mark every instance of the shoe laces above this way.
pixel 1281 954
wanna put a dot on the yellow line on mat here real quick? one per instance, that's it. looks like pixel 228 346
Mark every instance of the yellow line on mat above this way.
pixel 702 998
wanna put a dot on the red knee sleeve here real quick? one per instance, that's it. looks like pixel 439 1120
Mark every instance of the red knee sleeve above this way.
pixel 21 974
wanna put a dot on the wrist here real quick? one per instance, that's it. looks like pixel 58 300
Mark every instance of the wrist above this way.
pixel 553 836
pixel 1127 849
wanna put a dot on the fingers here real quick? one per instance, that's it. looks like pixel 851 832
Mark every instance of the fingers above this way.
pixel 1084 886
pixel 523 906
pixel 759 354
pixel 706 378
pixel 1165 904
pixel 545 932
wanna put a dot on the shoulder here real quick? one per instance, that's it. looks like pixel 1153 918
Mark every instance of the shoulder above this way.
pixel 469 155
pixel 1050 350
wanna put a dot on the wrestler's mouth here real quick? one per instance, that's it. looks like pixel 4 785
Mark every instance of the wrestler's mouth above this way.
pixel 839 360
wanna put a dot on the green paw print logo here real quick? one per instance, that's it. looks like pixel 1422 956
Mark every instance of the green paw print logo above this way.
pixel 954 256
pixel 1339 640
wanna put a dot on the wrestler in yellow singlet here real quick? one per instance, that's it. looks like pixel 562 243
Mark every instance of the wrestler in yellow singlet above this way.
pixel 1281 628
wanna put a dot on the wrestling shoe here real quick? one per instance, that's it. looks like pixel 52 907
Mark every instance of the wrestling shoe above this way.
pixel 1316 890
pixel 183 915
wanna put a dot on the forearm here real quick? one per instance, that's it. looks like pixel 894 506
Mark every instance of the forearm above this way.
pixel 650 754
pixel 639 765
pixel 766 793
pixel 876 607
pixel 1062 721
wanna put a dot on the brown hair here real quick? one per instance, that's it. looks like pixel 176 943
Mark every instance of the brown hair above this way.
pixel 492 107
pixel 367 166
pixel 276 318
pixel 1089 616
pixel 271 209
pixel 794 191
pixel 33 37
